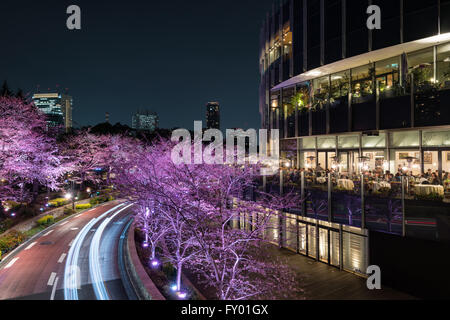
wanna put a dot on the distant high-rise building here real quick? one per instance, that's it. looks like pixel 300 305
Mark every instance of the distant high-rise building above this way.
pixel 145 120
pixel 213 115
pixel 57 107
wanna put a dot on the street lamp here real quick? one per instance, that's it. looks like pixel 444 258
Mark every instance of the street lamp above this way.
pixel 70 196
pixel 362 163
pixel 311 159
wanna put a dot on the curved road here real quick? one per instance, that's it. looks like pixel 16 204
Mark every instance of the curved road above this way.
pixel 76 259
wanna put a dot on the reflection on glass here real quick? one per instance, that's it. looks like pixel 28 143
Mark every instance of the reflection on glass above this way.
pixel 388 77
pixel 274 110
pixel 287 42
pixel 340 83
pixel 421 67
pixel 362 84
pixel 289 110
pixel 443 66
pixel 321 87
pixel 301 99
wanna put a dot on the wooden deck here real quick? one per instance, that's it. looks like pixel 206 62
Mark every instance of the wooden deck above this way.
pixel 323 282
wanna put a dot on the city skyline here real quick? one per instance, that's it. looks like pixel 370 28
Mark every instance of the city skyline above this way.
pixel 256 151
pixel 199 41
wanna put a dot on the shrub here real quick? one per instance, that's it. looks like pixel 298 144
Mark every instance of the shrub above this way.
pixel 69 211
pixel 11 241
pixel 46 220
pixel 11 204
pixel 26 211
pixel 382 192
pixel 83 206
pixel 6 224
pixel 430 197
pixel 100 199
pixel 58 202
pixel 170 271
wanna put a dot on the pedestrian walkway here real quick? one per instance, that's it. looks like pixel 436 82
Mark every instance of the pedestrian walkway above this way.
pixel 30 223
pixel 323 282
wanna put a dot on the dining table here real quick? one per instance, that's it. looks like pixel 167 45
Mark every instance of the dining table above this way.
pixel 346 184
pixel 377 185
pixel 427 189
pixel 321 180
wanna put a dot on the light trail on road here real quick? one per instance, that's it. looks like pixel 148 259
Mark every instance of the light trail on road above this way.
pixel 94 261
pixel 72 271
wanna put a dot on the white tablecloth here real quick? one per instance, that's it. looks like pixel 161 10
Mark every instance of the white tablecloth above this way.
pixel 346 184
pixel 381 185
pixel 321 180
pixel 425 189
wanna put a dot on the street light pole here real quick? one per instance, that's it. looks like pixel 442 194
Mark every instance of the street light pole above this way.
pixel 73 195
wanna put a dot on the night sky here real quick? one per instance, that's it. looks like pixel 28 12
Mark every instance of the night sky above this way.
pixel 166 56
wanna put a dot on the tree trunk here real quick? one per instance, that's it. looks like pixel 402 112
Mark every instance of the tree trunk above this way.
pixel 35 190
pixel 153 252
pixel 179 268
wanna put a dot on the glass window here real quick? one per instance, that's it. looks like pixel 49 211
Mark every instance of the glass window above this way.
pixel 274 103
pixel 289 110
pixel 322 160
pixel 308 159
pixel 405 162
pixel 287 42
pixel 362 84
pixel 430 161
pixel 326 143
pixel 301 98
pixel 308 143
pixel 421 66
pixel 343 162
pixel 271 56
pixel 404 139
pixel 388 77
pixel 373 161
pixel 321 87
pixel 374 141
pixel 436 138
pixel 348 142
pixel 446 166
pixel 443 66
pixel 332 163
pixel 340 83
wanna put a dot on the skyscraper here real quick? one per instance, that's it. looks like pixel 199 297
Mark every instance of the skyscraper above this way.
pixel 213 115
pixel 57 107
pixel 145 120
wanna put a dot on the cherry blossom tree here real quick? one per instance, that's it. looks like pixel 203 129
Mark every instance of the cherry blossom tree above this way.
pixel 152 224
pixel 87 152
pixel 28 155
pixel 199 206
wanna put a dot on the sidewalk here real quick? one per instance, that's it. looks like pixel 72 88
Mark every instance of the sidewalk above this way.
pixel 31 223
pixel 323 282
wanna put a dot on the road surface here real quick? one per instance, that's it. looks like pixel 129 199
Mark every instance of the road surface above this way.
pixel 76 259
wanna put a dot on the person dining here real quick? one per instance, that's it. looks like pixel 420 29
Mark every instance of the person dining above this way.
pixel 319 168
pixel 435 179
pixel 422 179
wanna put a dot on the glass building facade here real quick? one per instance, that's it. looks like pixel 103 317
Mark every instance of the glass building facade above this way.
pixel 213 115
pixel 339 92
pixel 57 108
pixel 145 120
